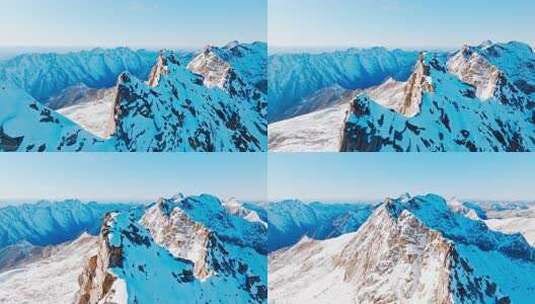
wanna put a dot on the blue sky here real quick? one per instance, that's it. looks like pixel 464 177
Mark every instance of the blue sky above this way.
pixel 131 176
pixel 398 23
pixel 372 176
pixel 145 23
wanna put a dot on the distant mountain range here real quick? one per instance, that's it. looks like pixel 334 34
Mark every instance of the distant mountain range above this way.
pixel 479 98
pixel 124 100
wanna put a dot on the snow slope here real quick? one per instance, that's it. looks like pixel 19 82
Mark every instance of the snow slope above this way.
pixel 95 113
pixel 292 77
pixel 179 250
pixel 51 277
pixel 410 250
pixel 320 131
pixel 28 126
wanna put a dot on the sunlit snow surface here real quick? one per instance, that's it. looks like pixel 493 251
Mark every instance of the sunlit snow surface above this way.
pixel 49 279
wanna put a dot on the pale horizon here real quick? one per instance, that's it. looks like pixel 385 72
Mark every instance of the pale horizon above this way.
pixel 124 177
pixel 361 177
pixel 132 23
pixel 398 23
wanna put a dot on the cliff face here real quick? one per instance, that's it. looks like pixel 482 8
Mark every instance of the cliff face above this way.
pixel 474 69
pixel 96 281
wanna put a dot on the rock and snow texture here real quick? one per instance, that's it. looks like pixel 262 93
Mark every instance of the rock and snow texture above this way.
pixel 50 276
pixel 180 113
pixel 475 102
pixel 178 109
pixel 410 250
pixel 181 250
pixel 479 98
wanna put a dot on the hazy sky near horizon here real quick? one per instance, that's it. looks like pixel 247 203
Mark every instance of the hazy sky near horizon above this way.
pixel 375 176
pixel 398 23
pixel 131 176
pixel 134 23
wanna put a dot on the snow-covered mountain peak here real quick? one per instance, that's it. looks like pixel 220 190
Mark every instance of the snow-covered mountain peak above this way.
pixel 180 113
pixel 407 251
pixel 485 43
pixel 232 44
pixel 236 207
pixel 451 115
pixel 434 212
pixel 214 69
pixel 475 70
pixel 175 243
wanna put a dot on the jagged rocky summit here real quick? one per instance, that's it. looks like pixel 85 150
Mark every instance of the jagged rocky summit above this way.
pixel 179 250
pixel 410 249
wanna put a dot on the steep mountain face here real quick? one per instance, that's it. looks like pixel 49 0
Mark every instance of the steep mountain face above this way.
pixel 410 250
pixel 177 110
pixel 51 223
pixel 180 113
pixel 293 77
pixel 477 99
pixel 46 75
pixel 193 246
pixel 289 221
pixel 45 274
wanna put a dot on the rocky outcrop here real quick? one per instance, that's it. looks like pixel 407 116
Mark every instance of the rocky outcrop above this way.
pixel 475 70
pixel 97 281
pixel 405 97
pixel 215 71
pixel 173 229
